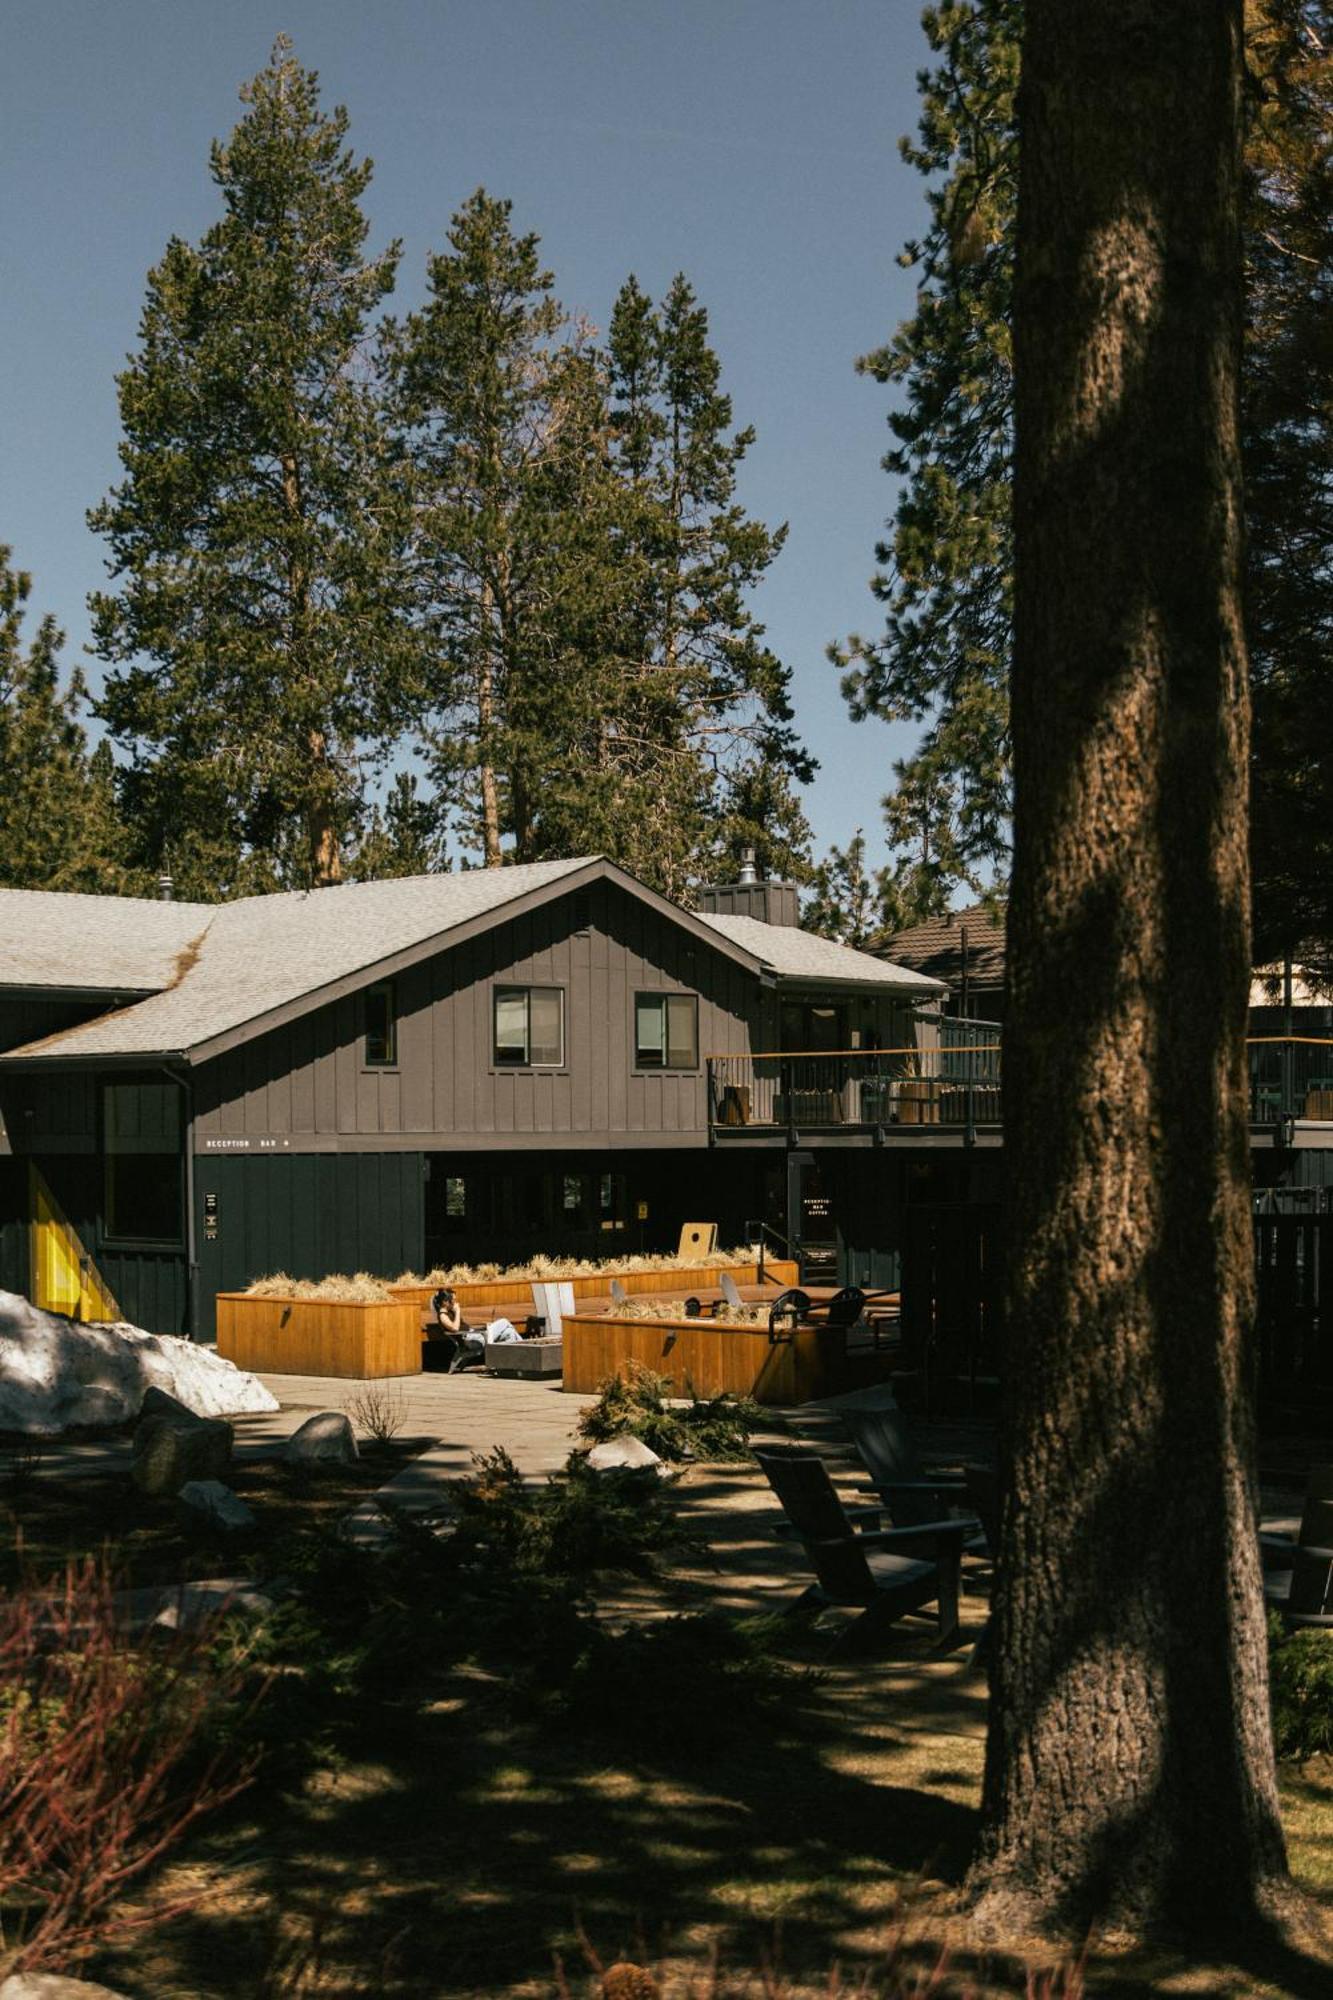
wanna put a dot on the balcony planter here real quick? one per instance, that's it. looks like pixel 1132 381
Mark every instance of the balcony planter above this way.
pixel 285 1336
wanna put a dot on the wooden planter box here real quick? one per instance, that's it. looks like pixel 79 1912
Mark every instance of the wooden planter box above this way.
pixel 705 1359
pixel 682 1278
pixel 319 1336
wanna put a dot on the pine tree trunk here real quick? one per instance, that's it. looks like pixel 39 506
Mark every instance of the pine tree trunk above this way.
pixel 490 797
pixel 1129 1764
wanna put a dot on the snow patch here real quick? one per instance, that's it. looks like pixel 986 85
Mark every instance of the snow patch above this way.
pixel 57 1374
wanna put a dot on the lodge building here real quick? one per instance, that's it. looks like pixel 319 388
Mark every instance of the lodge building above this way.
pixel 454 1068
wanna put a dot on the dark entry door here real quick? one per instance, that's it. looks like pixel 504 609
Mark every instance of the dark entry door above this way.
pixel 812 1223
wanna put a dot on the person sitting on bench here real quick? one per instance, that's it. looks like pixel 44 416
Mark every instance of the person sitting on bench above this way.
pixel 469 1342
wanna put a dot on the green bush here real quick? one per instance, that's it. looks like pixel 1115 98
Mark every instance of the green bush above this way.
pixel 1300 1666
pixel 639 1404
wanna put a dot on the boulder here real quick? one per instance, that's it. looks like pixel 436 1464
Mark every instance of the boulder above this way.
pixel 325 1439
pixel 53 1986
pixel 180 1607
pixel 178 1446
pixel 624 1453
pixel 59 1374
pixel 209 1501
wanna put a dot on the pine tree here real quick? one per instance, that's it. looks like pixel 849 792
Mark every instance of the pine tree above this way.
pixel 1287 440
pixel 1129 1772
pixel 846 900
pixel 59 828
pixel 946 583
pixel 944 656
pixel 503 403
pixel 706 719
pixel 402 835
pixel 255 537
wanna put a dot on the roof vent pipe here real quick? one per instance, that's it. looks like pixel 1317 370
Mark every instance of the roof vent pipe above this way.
pixel 166 888
pixel 749 873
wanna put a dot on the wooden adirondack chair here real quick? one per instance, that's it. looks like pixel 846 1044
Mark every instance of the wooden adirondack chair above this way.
pixel 884 1572
pixel 910 1491
pixel 1298 1575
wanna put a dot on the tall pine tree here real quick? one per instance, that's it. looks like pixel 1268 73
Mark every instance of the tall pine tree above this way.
pixel 943 658
pixel 503 405
pixel 707 718
pixel 255 537
pixel 946 581
pixel 59 827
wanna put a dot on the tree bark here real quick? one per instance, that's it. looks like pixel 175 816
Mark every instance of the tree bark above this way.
pixel 1129 1773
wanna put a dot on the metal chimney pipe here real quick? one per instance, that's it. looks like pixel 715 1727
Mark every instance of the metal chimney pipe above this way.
pixel 166 888
pixel 749 873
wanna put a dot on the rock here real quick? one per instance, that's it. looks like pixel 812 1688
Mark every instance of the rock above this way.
pixel 53 1986
pixel 215 1504
pixel 59 1374
pixel 157 1403
pixel 171 1449
pixel 623 1452
pixel 325 1439
pixel 179 1607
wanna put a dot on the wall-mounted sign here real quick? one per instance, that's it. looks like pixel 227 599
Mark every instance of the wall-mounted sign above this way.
pixel 246 1145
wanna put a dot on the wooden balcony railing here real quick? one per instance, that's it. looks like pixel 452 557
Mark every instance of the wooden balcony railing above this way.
pixel 958 1085
pixel 1290 1076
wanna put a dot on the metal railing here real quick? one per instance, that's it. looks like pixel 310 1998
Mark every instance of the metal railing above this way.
pixel 955 1085
pixel 958 1082
pixel 1291 1076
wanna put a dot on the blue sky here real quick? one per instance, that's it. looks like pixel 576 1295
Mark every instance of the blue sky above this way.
pixel 750 143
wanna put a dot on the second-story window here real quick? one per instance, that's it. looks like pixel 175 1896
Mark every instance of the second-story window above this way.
pixel 666 1031
pixel 529 1027
pixel 381 1025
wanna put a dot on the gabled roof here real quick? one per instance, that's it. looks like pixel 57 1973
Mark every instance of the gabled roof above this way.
pixel 93 944
pixel 794 954
pixel 936 946
pixel 218 973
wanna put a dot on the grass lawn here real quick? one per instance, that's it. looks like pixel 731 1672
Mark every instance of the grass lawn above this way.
pixel 444 1831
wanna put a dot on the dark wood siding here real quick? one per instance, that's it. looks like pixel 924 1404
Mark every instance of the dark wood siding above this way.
pixel 307 1085
pixel 306 1214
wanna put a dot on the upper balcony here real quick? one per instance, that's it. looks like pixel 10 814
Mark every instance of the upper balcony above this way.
pixel 954 1084
pixel 953 1081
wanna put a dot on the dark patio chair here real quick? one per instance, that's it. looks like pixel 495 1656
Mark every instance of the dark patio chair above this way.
pixel 910 1491
pixel 1298 1574
pixel 885 1572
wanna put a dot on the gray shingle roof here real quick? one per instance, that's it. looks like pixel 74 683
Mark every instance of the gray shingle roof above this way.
pixel 796 954
pixel 244 959
pixel 213 968
pixel 98 944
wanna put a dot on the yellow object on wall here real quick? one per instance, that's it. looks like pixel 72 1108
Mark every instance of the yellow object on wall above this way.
pixel 64 1277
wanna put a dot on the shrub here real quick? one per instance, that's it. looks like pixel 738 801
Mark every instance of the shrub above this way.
pixel 639 1404
pixel 104 1761
pixel 1300 1666
pixel 378 1413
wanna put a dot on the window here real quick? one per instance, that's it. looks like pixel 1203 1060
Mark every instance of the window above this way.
pixel 529 1027
pixel 144 1175
pixel 381 1017
pixel 666 1031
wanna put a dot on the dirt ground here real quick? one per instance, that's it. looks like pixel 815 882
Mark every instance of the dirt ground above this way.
pixel 467 1848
